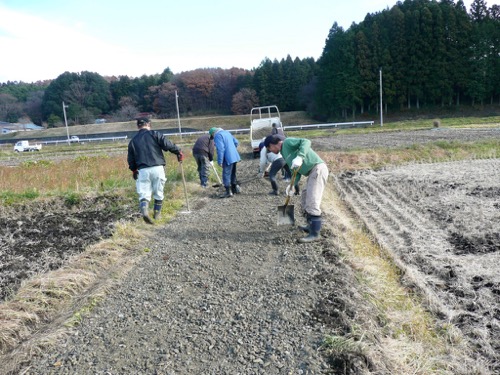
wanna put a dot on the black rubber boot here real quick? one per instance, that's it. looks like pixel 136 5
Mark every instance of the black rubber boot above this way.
pixel 228 193
pixel 314 230
pixel 157 209
pixel 235 188
pixel 144 208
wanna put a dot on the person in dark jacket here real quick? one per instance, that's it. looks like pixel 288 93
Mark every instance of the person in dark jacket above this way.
pixel 203 153
pixel 227 157
pixel 147 163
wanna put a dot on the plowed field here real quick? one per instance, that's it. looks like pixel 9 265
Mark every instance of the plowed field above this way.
pixel 441 222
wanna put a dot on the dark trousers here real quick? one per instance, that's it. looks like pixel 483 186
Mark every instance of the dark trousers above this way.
pixel 203 168
pixel 229 175
pixel 276 166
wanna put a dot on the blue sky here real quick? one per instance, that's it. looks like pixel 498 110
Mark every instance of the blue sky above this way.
pixel 41 39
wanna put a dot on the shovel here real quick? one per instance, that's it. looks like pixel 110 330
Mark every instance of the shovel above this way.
pixel 286 212
pixel 185 190
pixel 218 178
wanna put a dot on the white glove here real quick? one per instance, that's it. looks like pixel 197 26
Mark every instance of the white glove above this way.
pixel 297 162
pixel 212 163
pixel 290 190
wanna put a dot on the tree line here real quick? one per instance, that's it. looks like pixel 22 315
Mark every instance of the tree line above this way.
pixel 429 54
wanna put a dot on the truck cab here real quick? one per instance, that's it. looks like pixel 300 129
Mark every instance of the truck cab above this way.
pixel 264 121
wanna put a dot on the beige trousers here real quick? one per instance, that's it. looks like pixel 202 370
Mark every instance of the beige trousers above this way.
pixel 315 185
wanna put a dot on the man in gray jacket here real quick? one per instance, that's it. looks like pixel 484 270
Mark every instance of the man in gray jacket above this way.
pixel 147 163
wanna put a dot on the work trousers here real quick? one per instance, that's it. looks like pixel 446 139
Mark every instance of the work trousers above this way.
pixel 151 181
pixel 313 193
pixel 203 164
pixel 229 174
pixel 276 166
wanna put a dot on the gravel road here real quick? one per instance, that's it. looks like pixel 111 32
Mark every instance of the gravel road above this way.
pixel 223 290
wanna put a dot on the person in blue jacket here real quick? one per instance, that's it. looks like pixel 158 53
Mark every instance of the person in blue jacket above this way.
pixel 227 157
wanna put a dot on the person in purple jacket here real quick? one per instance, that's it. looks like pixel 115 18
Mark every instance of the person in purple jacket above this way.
pixel 227 157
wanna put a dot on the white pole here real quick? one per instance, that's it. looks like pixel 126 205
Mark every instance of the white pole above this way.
pixel 178 117
pixel 66 121
pixel 381 106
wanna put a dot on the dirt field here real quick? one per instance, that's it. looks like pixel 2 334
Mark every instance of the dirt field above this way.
pixel 236 294
pixel 39 238
pixel 441 222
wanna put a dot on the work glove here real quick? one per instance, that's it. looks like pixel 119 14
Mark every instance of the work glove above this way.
pixel 180 156
pixel 212 163
pixel 135 174
pixel 297 162
pixel 290 190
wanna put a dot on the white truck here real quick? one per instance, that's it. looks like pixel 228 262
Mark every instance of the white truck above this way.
pixel 262 121
pixel 23 146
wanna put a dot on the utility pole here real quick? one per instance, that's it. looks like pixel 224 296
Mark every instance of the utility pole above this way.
pixel 66 121
pixel 381 106
pixel 178 116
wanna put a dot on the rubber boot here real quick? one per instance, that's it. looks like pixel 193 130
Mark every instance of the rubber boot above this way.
pixel 228 193
pixel 306 228
pixel 144 208
pixel 157 209
pixel 235 188
pixel 314 230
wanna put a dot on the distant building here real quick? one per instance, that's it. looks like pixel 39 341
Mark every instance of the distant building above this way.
pixel 8 127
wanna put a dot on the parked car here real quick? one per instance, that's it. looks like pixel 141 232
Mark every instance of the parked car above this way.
pixel 74 138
